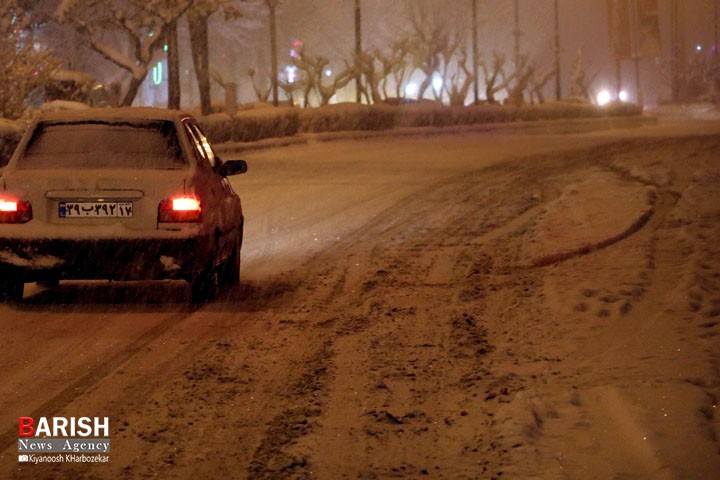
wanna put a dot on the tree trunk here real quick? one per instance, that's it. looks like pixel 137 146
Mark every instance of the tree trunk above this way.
pixel 201 58
pixel 173 56
pixel 476 84
pixel 424 85
pixel 490 93
pixel 358 50
pixel 132 90
pixel 558 78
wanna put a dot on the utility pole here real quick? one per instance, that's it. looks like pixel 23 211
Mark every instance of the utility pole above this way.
pixel 517 33
pixel 635 36
pixel 358 51
pixel 715 16
pixel 618 12
pixel 476 87
pixel 273 51
pixel 558 86
pixel 677 49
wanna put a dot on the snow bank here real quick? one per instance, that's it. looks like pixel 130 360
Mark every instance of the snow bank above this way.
pixel 261 123
pixel 347 117
pixel 252 125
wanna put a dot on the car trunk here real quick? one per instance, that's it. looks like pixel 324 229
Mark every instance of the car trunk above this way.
pixel 96 203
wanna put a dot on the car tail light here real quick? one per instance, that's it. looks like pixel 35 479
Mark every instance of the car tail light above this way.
pixel 180 210
pixel 15 211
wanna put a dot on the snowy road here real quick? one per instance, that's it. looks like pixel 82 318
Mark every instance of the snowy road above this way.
pixel 452 306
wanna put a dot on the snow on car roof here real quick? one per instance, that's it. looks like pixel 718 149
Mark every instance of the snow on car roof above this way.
pixel 123 114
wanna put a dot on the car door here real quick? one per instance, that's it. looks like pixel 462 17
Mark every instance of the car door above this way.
pixel 222 205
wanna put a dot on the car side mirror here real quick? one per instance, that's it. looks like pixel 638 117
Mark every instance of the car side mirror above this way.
pixel 233 167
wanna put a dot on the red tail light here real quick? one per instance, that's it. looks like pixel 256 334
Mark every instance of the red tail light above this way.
pixel 15 211
pixel 180 209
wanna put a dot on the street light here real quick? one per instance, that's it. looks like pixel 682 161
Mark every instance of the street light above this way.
pixel 603 97
pixel 411 89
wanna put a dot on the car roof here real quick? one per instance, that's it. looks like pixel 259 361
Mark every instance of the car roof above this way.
pixel 123 114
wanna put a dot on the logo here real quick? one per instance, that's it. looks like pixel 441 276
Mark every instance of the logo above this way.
pixel 63 439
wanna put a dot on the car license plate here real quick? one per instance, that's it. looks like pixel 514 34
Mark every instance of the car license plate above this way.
pixel 95 209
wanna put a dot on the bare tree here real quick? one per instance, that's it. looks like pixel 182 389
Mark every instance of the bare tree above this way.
pixel 519 80
pixel 698 80
pixel 434 42
pixel 401 70
pixel 366 64
pixel 263 88
pixel 493 73
pixel 289 88
pixel 537 84
pixel 198 16
pixel 580 82
pixel 261 93
pixel 458 86
pixel 144 24
pixel 393 64
pixel 328 87
pixel 378 66
pixel 314 77
pixel 272 7
pixel 306 76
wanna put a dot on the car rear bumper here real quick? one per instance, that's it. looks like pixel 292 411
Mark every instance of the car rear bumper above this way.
pixel 116 259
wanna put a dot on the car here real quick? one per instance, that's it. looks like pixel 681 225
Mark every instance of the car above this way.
pixel 119 194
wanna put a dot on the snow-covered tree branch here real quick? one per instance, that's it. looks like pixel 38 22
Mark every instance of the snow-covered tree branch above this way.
pixel 144 24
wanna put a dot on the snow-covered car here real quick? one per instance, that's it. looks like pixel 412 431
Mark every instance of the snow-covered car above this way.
pixel 120 194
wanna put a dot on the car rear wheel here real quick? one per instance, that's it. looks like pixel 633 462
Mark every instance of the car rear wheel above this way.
pixel 230 270
pixel 11 290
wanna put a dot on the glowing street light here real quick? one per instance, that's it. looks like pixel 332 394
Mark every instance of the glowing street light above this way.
pixel 603 97
pixel 437 83
pixel 411 89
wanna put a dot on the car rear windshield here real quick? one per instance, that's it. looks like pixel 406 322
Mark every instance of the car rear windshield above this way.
pixel 103 145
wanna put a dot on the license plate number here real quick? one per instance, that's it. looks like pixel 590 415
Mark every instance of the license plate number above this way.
pixel 95 209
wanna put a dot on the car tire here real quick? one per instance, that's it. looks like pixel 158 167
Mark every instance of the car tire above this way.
pixel 230 271
pixel 11 291
pixel 204 286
